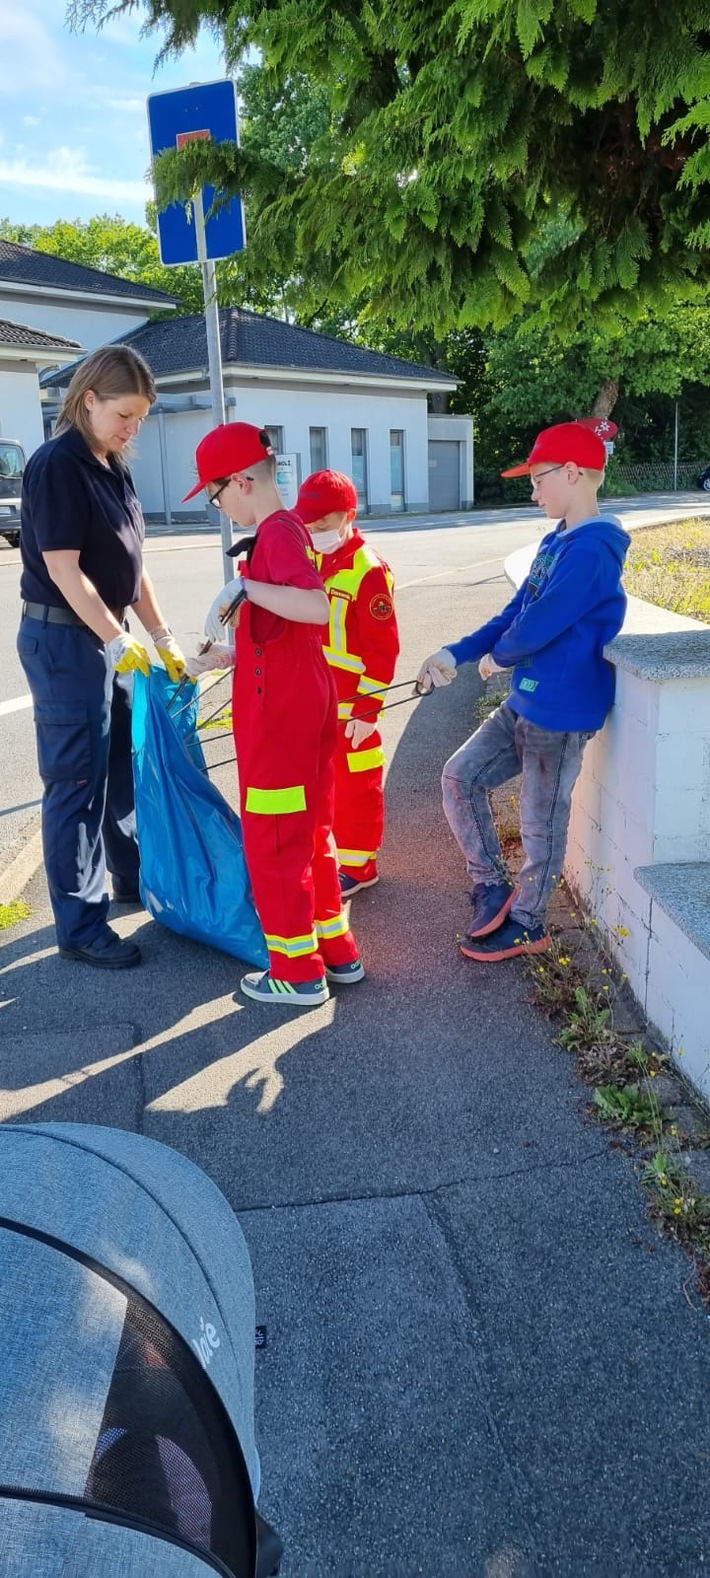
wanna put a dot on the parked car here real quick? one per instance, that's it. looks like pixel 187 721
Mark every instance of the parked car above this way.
pixel 704 480
pixel 12 465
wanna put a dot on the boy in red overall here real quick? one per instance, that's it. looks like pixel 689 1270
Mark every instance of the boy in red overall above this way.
pixel 285 721
pixel 361 644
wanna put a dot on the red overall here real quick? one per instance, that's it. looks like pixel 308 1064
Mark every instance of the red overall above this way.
pixel 284 718
pixel 361 644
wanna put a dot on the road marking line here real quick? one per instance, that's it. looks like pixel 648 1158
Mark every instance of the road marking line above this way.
pixel 17 704
pixel 454 569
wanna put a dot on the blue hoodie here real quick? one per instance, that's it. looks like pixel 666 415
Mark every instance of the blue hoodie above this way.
pixel 554 631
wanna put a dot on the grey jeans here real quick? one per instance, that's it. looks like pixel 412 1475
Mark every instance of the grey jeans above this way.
pixel 505 745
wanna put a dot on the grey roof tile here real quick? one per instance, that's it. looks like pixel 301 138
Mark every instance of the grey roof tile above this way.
pixel 249 339
pixel 26 338
pixel 20 265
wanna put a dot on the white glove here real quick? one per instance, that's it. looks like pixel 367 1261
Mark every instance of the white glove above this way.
pixel 214 629
pixel 127 654
pixel 217 656
pixel 358 729
pixel 438 670
pixel 169 652
pixel 488 666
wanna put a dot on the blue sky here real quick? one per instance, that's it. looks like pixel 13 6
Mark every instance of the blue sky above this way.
pixel 73 124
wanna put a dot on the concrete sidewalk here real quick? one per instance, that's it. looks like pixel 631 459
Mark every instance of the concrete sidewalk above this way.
pixel 480 1360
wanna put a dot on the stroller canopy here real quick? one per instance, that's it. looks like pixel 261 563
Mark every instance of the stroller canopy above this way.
pixel 126 1387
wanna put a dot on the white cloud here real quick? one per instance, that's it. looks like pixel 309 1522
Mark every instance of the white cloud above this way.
pixel 66 170
pixel 30 120
pixel 36 54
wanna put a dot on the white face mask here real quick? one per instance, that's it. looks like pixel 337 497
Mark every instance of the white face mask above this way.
pixel 327 541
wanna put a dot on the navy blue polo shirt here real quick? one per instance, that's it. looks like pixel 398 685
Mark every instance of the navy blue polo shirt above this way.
pixel 69 500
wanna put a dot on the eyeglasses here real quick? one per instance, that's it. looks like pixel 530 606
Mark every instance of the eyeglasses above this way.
pixel 534 480
pixel 215 497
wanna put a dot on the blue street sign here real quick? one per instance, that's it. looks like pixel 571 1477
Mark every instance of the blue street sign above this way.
pixel 207 109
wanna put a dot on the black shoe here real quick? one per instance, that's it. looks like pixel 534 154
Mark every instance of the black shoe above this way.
pixel 107 952
pixel 125 892
pixel 270 1549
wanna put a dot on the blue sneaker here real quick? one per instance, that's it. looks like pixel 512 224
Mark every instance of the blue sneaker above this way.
pixel 508 942
pixel 263 987
pixel 346 974
pixel 350 885
pixel 491 902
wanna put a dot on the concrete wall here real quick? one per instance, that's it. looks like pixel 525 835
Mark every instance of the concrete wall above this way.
pixel 638 853
pixel 295 409
pixel 95 324
pixel 639 844
pixel 20 406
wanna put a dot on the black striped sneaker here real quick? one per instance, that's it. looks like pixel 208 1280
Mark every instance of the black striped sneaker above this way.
pixel 263 987
pixel 346 974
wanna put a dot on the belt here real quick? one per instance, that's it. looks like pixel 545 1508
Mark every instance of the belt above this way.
pixel 60 616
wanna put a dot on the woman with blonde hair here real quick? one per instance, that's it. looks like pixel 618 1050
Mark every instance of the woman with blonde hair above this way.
pixel 81 541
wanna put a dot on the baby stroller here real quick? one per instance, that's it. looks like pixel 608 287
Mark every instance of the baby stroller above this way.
pixel 127 1381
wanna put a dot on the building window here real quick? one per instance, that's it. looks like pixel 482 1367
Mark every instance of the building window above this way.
pixel 397 468
pixel 319 448
pixel 276 438
pixel 358 440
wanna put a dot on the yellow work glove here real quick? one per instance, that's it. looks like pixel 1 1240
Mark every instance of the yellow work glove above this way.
pixel 169 652
pixel 358 729
pixel 127 655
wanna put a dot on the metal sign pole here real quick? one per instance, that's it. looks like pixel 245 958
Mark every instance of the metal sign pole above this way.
pixel 214 361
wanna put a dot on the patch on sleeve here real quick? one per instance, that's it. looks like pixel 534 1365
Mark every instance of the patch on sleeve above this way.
pixel 381 606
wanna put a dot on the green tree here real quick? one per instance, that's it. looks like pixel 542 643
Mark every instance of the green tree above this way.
pixel 458 133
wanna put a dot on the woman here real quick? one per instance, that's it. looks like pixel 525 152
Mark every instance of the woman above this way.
pixel 81 542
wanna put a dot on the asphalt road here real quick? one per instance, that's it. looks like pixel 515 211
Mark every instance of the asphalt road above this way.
pixel 186 568
pixel 481 1361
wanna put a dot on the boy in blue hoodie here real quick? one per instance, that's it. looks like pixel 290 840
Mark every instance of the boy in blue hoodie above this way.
pixel 552 635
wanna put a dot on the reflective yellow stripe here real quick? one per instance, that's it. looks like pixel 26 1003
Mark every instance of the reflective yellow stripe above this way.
pixel 342 589
pixel 345 709
pixel 338 612
pixel 276 802
pixel 369 687
pixel 355 857
pixel 362 761
pixel 338 659
pixel 333 928
pixel 293 947
pixel 348 581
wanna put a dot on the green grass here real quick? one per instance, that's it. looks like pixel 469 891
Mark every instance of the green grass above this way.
pixel 670 566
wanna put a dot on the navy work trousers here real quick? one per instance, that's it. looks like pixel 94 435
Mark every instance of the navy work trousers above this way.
pixel 83 727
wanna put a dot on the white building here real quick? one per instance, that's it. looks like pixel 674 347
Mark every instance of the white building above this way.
pixel 50 312
pixel 24 354
pixel 324 402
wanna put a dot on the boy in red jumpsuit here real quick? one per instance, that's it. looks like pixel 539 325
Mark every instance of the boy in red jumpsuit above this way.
pixel 285 722
pixel 361 644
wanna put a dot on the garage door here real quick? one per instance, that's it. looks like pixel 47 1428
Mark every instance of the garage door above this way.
pixel 444 474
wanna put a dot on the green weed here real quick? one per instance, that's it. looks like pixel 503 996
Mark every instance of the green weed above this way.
pixel 12 914
pixel 628 1107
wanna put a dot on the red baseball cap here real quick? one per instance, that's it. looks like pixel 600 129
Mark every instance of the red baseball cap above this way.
pixel 557 445
pixel 231 447
pixel 323 493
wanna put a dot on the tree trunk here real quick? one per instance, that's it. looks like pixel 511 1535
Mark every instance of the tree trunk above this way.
pixel 606 398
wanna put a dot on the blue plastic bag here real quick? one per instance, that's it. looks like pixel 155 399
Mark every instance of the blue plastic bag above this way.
pixel 193 873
